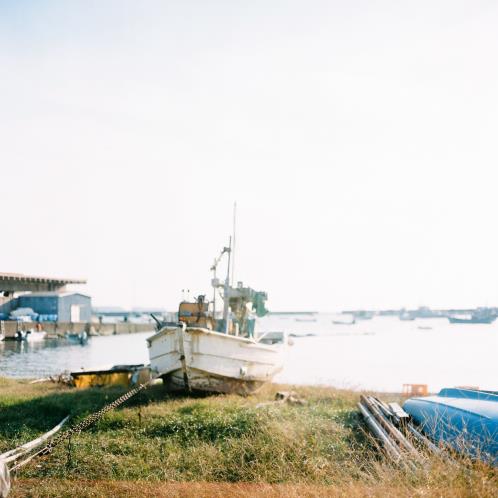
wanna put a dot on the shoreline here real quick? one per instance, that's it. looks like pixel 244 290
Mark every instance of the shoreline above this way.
pixel 347 360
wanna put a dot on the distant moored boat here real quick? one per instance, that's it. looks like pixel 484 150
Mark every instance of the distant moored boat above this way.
pixel 476 317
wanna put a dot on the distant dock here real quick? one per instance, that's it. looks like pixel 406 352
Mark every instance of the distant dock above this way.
pixel 59 329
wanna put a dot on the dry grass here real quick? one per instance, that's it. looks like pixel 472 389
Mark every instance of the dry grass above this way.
pixel 132 489
pixel 160 445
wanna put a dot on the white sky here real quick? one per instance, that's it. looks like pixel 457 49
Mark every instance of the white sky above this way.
pixel 358 138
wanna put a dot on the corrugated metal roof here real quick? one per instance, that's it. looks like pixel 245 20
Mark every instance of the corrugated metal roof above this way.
pixel 40 279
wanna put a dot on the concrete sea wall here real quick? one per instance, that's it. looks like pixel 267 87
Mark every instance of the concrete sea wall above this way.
pixel 60 328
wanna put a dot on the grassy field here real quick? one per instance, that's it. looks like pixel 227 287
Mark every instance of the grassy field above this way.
pixel 160 445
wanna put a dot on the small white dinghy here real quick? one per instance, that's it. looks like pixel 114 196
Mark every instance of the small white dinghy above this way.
pixel 36 335
pixel 31 335
pixel 218 355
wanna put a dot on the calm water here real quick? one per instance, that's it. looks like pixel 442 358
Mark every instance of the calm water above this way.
pixel 379 354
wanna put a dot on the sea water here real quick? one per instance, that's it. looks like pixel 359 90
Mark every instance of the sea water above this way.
pixel 379 354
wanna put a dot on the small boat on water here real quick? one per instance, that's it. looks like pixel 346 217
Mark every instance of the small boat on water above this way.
pixel 363 315
pixel 474 318
pixel 207 353
pixel 30 335
pixel 465 419
pixel 352 321
pixel 81 337
pixel 407 316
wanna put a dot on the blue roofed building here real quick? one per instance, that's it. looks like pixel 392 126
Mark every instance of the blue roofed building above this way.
pixel 42 298
pixel 61 307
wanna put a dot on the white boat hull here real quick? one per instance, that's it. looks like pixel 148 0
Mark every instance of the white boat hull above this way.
pixel 36 336
pixel 200 359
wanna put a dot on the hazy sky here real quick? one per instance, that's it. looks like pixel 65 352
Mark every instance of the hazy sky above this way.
pixel 359 139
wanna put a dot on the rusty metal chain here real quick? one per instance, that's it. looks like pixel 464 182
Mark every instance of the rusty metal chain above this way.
pixel 91 419
pixel 86 422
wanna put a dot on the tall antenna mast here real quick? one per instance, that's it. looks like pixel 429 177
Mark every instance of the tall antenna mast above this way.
pixel 233 239
pixel 225 290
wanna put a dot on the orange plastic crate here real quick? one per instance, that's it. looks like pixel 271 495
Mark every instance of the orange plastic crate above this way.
pixel 415 390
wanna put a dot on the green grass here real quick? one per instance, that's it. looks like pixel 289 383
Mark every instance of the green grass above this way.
pixel 157 437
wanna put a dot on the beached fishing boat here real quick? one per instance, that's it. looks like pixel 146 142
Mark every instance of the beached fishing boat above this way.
pixel 465 419
pixel 219 354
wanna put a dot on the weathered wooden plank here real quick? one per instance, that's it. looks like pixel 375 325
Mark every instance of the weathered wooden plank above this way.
pixel 398 411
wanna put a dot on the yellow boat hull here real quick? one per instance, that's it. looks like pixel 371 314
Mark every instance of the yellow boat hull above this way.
pixel 104 378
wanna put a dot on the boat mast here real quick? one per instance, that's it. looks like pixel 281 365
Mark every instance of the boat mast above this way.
pixel 226 288
pixel 229 276
pixel 214 291
pixel 233 248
